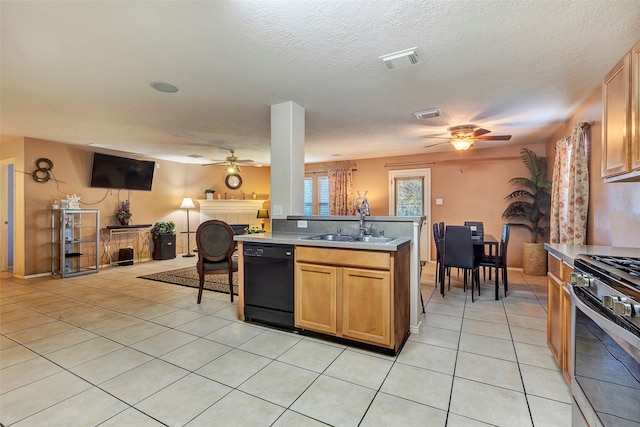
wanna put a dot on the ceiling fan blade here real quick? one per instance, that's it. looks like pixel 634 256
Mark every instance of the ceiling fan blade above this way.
pixel 244 161
pixel 479 132
pixel 215 163
pixel 494 138
pixel 439 143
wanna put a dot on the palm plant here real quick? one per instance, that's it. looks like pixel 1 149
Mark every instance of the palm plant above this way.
pixel 531 205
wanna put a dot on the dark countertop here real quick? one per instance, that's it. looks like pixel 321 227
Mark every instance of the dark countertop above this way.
pixel 299 240
pixel 568 253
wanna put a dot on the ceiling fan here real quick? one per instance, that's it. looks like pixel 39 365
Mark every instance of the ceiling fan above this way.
pixel 464 136
pixel 232 162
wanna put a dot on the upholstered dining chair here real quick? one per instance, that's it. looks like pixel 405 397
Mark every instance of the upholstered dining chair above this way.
pixel 477 232
pixel 215 249
pixel 458 252
pixel 501 264
pixel 436 241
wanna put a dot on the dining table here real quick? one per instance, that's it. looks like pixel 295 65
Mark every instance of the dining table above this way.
pixel 484 240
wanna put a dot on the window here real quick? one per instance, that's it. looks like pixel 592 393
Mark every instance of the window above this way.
pixel 308 196
pixel 321 197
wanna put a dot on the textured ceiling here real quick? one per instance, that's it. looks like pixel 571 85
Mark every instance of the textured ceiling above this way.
pixel 79 71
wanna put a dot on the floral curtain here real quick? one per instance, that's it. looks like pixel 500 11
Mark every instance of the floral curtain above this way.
pixel 570 192
pixel 340 193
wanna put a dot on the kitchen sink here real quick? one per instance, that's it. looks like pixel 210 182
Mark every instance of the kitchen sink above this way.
pixel 334 237
pixel 382 239
pixel 347 238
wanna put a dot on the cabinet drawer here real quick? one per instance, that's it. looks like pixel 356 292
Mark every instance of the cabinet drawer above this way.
pixel 566 273
pixel 344 257
pixel 555 265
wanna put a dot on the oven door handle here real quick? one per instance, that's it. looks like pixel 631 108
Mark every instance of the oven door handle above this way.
pixel 607 325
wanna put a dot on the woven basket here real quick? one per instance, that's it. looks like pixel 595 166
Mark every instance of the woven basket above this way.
pixel 534 259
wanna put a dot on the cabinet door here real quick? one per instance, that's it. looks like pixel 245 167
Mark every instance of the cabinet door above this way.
pixel 366 305
pixel 635 110
pixel 616 121
pixel 316 291
pixel 554 318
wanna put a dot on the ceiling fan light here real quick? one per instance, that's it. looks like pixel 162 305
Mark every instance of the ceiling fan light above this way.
pixel 231 168
pixel 462 144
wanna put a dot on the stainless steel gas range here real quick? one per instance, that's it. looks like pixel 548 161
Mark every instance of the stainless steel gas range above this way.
pixel 606 341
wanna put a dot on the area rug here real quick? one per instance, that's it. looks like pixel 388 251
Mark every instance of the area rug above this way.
pixel 189 277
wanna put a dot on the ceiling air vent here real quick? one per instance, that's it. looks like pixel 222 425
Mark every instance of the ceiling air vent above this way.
pixel 427 114
pixel 401 59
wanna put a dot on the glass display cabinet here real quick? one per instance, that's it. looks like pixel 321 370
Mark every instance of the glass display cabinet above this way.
pixel 75 241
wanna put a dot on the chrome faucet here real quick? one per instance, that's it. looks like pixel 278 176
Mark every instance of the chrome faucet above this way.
pixel 363 210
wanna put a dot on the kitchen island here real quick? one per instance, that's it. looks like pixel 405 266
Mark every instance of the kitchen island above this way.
pixel 354 290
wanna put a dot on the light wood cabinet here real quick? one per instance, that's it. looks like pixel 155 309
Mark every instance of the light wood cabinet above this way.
pixel 559 314
pixel 353 294
pixel 635 108
pixel 316 299
pixel 621 120
pixel 366 305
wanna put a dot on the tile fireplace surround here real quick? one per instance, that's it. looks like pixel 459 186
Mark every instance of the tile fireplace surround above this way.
pixel 110 349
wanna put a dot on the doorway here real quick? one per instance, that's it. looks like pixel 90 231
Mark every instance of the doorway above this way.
pixel 410 195
pixel 7 202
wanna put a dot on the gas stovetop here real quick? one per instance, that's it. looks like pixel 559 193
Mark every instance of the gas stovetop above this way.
pixel 610 285
pixel 621 271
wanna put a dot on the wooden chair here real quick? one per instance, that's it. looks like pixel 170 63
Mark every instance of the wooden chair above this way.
pixel 490 261
pixel 458 252
pixel 215 249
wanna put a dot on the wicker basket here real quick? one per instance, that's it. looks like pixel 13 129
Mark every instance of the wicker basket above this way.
pixel 534 259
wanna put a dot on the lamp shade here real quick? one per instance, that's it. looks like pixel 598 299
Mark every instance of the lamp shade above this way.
pixel 187 203
pixel 263 213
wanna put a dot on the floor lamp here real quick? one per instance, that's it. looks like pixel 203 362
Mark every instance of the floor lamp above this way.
pixel 187 204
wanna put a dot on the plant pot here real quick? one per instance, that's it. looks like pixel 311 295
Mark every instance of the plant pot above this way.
pixel 534 259
pixel 209 196
pixel 164 247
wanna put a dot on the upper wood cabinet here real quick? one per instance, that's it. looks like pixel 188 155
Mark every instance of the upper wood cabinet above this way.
pixel 620 120
pixel 635 107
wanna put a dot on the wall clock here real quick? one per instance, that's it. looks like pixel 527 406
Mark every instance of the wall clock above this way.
pixel 233 181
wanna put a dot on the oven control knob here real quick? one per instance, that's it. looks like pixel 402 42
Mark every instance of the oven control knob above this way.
pixel 607 301
pixel 622 308
pixel 625 308
pixel 581 280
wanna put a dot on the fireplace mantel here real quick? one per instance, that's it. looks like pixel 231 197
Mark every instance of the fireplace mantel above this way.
pixel 231 211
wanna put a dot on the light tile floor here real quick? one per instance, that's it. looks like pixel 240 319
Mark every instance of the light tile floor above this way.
pixel 110 349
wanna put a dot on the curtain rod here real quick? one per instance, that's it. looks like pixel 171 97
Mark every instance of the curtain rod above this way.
pixel 389 165
pixel 315 172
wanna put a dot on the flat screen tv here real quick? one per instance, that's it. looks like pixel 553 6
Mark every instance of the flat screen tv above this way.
pixel 121 173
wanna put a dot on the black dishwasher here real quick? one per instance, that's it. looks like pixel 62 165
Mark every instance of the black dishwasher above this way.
pixel 268 284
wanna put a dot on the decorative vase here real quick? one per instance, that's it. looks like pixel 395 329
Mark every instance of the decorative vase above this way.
pixel 124 221
pixel 361 204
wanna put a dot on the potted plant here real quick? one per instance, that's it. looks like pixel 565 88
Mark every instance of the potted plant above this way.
pixel 209 193
pixel 164 240
pixel 124 213
pixel 530 206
